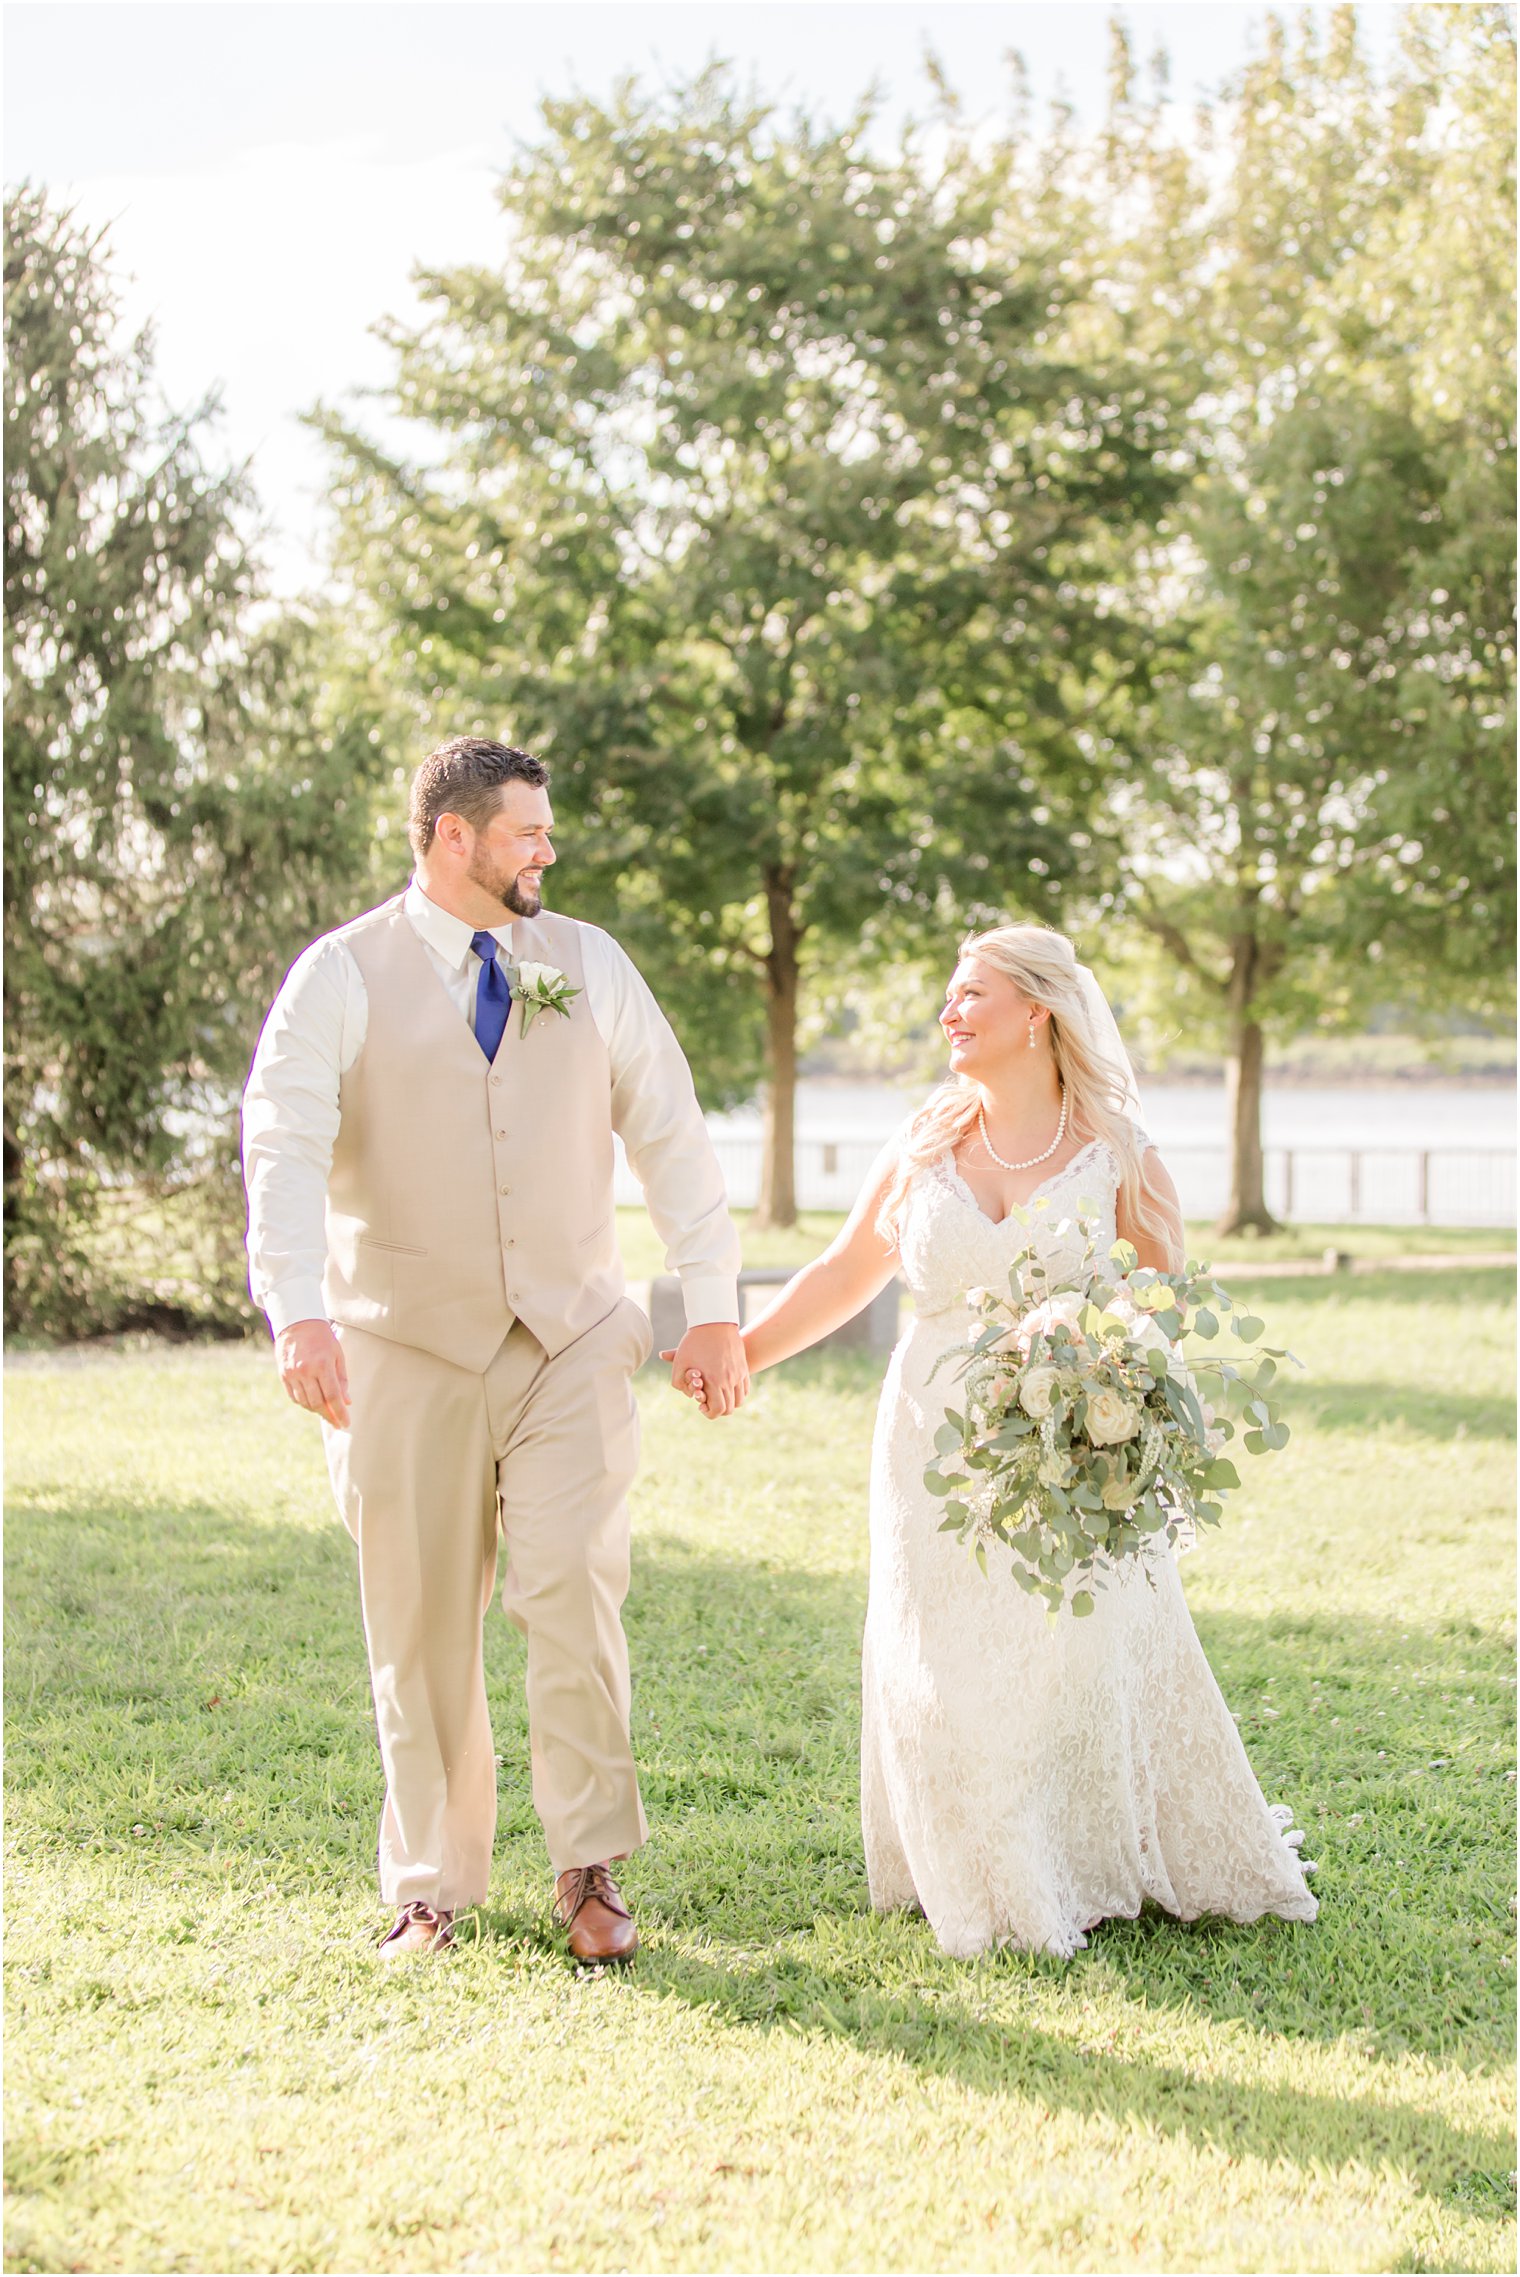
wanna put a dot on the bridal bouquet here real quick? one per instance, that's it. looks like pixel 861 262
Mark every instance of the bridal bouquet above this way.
pixel 1086 1434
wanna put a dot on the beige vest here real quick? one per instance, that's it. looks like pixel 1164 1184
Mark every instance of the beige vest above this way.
pixel 463 1197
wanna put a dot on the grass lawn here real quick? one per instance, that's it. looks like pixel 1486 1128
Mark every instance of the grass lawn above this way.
pixel 644 1253
pixel 208 2071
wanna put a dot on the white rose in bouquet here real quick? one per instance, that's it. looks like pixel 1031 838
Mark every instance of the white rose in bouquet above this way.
pixel 1139 1324
pixel 1036 1391
pixel 1061 1311
pixel 1110 1418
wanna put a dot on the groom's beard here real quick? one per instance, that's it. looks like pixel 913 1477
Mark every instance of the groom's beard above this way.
pixel 523 900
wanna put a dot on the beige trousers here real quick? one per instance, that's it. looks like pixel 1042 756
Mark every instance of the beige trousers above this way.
pixel 435 1463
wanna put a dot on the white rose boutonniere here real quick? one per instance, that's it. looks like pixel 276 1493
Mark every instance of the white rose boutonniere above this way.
pixel 540 988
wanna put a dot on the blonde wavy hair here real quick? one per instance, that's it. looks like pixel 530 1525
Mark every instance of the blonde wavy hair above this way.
pixel 1042 964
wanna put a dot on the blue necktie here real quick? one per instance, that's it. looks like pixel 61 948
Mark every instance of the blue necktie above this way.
pixel 493 997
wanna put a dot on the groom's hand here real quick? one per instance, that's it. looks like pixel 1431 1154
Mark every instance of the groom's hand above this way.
pixel 715 1352
pixel 312 1369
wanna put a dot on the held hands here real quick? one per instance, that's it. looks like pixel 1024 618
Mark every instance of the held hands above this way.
pixel 312 1369
pixel 709 1366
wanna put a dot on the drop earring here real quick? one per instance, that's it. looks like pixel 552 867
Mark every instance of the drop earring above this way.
pixel 1031 1035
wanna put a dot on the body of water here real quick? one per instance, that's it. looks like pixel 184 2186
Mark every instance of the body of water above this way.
pixel 1193 1114
pixel 1369 1153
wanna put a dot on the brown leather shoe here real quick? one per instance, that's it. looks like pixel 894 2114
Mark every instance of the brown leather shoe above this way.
pixel 418 1929
pixel 587 1905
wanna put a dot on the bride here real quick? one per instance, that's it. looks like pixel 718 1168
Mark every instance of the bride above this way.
pixel 1021 1781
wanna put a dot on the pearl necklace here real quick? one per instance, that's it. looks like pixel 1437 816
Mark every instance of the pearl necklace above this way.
pixel 1034 1159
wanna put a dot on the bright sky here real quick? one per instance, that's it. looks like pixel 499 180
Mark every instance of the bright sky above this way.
pixel 272 170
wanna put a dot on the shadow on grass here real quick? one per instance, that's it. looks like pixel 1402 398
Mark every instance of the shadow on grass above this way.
pixel 1457 1284
pixel 1442 1415
pixel 190 1683
pixel 946 2036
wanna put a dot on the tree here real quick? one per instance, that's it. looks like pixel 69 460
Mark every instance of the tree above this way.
pixel 175 815
pixel 1316 798
pixel 757 491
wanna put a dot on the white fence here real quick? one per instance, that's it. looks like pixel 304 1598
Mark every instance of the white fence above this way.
pixel 1456 1186
pixel 1392 1185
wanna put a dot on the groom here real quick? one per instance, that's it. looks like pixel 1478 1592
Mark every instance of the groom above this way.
pixel 427 1140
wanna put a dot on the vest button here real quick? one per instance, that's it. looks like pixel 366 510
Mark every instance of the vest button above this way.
pixel 506 1189
pixel 501 1134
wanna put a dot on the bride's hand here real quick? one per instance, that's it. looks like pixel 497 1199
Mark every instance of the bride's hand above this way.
pixel 693 1385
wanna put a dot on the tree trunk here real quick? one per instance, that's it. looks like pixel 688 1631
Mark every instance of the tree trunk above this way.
pixel 1246 1210
pixel 776 1203
pixel 15 1163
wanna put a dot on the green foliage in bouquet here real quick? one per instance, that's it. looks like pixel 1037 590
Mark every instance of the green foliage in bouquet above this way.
pixel 1086 1433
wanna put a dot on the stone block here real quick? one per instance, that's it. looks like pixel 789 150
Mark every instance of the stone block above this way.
pixel 874 1329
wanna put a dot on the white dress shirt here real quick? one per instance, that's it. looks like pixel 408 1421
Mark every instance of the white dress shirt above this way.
pixel 315 1028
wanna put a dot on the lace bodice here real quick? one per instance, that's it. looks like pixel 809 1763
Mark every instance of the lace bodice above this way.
pixel 949 1244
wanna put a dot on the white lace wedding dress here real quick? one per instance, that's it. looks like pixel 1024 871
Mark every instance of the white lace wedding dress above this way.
pixel 1021 1782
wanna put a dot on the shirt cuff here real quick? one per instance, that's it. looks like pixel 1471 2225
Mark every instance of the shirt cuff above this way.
pixel 293 1301
pixel 712 1297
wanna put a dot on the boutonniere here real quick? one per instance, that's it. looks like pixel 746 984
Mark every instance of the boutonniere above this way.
pixel 540 988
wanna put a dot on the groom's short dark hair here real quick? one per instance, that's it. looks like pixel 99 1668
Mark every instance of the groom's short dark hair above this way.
pixel 463 777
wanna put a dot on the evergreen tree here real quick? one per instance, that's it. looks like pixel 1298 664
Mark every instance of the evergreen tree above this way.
pixel 177 812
